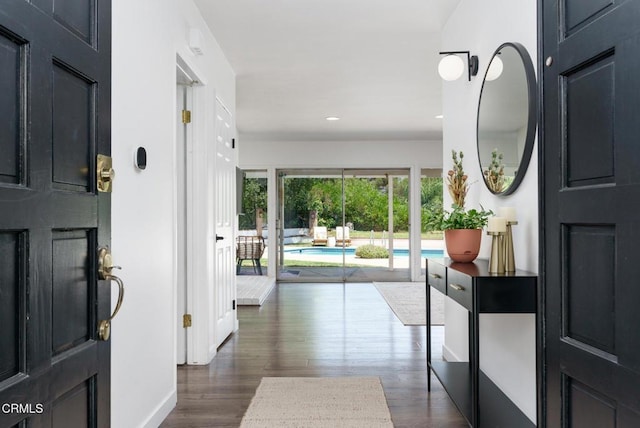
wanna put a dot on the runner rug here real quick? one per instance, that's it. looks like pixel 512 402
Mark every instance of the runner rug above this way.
pixel 346 402
pixel 408 301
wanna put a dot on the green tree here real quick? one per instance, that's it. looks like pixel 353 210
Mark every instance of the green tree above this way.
pixel 296 204
pixel 254 196
pixel 366 201
pixel 366 204
pixel 325 196
pixel 430 198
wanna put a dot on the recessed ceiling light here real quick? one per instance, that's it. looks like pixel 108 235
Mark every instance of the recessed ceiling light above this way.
pixel 439 116
pixel 332 118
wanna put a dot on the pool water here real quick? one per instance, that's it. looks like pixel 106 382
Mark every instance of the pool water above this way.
pixel 350 251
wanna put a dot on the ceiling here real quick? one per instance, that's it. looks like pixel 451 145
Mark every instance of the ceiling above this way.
pixel 372 63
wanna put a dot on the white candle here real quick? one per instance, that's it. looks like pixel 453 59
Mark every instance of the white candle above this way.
pixel 509 213
pixel 497 224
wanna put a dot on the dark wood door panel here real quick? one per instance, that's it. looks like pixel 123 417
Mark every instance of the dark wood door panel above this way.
pixel 73 289
pixel 55 81
pixel 591 196
pixel 588 290
pixel 12 300
pixel 589 121
pixel 580 13
pixel 59 210
pixel 604 31
pixel 587 407
pixel 12 63
pixel 77 16
pixel 73 130
pixel 74 408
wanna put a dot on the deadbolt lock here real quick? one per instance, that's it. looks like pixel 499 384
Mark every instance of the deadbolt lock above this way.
pixel 105 173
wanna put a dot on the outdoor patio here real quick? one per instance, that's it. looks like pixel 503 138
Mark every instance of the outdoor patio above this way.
pixel 300 265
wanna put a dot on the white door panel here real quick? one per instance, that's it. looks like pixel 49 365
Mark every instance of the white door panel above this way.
pixel 225 281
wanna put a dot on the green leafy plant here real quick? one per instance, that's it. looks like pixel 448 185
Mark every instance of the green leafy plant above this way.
pixel 458 218
pixel 372 252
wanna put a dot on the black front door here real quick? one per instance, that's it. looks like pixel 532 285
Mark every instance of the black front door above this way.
pixel 591 205
pixel 55 106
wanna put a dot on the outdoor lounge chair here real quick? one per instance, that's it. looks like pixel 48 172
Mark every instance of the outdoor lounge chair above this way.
pixel 320 235
pixel 342 236
pixel 249 248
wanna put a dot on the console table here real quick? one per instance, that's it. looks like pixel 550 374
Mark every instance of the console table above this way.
pixel 471 285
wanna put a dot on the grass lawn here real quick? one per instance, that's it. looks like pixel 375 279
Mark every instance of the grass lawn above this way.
pixel 400 235
pixel 302 263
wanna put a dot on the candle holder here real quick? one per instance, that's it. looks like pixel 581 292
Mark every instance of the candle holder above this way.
pixel 509 259
pixel 496 261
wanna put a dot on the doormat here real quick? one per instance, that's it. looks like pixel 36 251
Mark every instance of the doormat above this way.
pixel 346 402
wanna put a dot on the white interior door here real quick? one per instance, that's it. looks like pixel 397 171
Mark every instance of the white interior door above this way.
pixel 225 191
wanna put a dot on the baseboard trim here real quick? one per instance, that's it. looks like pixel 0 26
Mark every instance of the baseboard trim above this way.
pixel 162 410
pixel 449 355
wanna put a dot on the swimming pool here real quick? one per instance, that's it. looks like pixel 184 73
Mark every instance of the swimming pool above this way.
pixel 350 251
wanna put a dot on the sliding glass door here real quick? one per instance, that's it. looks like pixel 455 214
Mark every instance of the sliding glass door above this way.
pixel 343 225
pixel 430 200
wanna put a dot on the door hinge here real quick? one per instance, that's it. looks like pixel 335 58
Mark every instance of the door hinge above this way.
pixel 234 305
pixel 186 320
pixel 186 116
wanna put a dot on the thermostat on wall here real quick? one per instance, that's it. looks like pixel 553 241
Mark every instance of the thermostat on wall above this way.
pixel 141 158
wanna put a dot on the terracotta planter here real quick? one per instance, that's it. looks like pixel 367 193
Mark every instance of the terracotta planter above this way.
pixel 463 245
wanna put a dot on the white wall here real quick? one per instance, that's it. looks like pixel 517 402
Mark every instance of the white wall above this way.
pixel 261 154
pixel 507 341
pixel 147 35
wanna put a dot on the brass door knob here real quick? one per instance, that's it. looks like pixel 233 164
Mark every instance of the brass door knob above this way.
pixel 104 328
pixel 105 266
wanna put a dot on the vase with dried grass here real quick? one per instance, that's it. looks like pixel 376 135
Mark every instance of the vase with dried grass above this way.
pixel 457 180
pixel 494 174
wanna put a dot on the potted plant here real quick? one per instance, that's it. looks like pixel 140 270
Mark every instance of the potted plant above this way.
pixel 462 229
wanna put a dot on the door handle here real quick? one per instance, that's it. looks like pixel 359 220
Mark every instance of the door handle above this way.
pixel 219 238
pixel 105 266
pixel 104 329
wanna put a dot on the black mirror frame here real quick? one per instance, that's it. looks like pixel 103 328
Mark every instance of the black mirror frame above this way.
pixel 531 122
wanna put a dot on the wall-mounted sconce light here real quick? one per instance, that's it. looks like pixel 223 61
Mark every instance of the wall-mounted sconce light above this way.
pixel 495 68
pixel 451 66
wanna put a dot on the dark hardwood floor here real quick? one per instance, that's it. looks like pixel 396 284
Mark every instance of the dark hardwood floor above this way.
pixel 315 330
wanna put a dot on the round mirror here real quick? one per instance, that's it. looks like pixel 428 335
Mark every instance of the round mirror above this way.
pixel 507 118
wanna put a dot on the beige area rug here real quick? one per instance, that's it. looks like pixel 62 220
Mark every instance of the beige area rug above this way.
pixel 408 301
pixel 311 402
